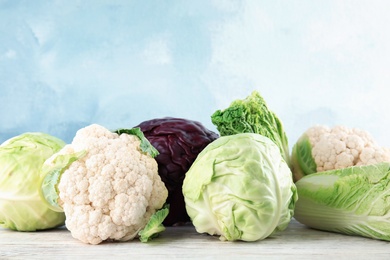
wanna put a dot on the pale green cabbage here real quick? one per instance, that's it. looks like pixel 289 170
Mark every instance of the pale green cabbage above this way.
pixel 240 188
pixel 353 201
pixel 21 159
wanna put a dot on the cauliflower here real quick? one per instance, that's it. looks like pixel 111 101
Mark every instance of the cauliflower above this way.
pixel 107 186
pixel 322 148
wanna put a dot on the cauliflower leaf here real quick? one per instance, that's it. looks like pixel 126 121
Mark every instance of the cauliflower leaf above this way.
pixel 51 174
pixel 154 226
pixel 145 145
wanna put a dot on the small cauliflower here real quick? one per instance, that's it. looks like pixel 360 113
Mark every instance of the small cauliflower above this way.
pixel 106 184
pixel 322 148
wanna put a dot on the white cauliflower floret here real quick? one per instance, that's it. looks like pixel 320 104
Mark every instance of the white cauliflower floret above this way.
pixel 336 148
pixel 112 191
pixel 341 147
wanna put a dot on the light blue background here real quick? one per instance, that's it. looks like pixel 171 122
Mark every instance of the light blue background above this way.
pixel 67 64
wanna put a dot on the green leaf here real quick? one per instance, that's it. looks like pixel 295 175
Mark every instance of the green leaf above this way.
pixel 154 227
pixel 302 160
pixel 51 175
pixel 145 145
pixel 252 115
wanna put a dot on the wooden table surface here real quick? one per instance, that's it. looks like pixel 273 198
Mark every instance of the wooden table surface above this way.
pixel 296 242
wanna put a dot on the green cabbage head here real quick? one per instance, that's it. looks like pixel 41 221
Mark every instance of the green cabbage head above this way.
pixel 240 188
pixel 21 159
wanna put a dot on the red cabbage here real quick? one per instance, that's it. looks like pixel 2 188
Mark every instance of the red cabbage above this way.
pixel 179 141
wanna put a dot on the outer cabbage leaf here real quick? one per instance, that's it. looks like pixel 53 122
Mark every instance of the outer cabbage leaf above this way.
pixel 353 201
pixel 240 188
pixel 252 115
pixel 21 159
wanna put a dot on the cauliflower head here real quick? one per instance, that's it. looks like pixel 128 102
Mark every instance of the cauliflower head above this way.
pixel 322 148
pixel 111 190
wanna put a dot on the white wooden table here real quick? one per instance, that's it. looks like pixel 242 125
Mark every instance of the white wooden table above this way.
pixel 297 242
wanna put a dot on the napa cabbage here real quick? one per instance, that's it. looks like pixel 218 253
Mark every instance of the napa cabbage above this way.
pixel 252 115
pixel 352 201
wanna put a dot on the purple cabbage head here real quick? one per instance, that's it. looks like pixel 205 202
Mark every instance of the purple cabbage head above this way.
pixel 179 141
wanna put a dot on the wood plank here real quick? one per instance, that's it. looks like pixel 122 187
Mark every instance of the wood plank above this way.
pixel 185 242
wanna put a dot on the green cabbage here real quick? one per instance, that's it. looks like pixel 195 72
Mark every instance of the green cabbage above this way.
pixel 240 188
pixel 252 115
pixel 352 201
pixel 21 159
